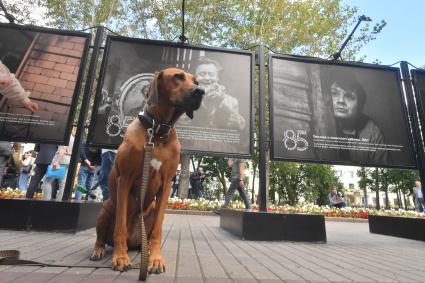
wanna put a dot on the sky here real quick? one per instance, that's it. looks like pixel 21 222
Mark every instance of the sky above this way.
pixel 403 38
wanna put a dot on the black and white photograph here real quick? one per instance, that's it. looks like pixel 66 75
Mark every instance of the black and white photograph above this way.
pixel 222 125
pixel 340 113
pixel 40 79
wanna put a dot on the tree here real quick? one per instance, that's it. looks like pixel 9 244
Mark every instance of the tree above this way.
pixel 385 181
pixel 314 28
pixel 369 178
pixel 286 180
pixel 216 169
pixel 403 181
pixel 22 10
pixel 364 182
pixel 318 179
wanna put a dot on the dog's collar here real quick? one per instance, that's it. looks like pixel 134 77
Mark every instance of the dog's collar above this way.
pixel 160 130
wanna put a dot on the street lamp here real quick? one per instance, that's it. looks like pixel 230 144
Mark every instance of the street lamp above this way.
pixel 362 18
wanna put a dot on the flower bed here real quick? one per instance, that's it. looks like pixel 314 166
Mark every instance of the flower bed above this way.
pixel 348 212
pixel 16 193
pixel 208 205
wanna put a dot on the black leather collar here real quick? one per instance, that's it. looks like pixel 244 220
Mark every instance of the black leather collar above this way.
pixel 160 131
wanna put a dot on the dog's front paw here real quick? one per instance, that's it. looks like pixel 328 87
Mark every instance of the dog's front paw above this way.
pixel 98 252
pixel 120 261
pixel 156 263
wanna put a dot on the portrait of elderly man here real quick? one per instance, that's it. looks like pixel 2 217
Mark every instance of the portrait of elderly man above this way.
pixel 348 98
pixel 219 109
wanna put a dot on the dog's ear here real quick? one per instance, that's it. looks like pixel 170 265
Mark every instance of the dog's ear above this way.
pixel 189 114
pixel 151 97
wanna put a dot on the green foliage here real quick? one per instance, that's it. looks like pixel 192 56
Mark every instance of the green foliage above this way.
pixel 216 169
pixel 365 180
pixel 80 14
pixel 314 28
pixel 311 181
pixel 403 180
pixel 22 10
pixel 384 179
pixel 318 180
pixel 285 180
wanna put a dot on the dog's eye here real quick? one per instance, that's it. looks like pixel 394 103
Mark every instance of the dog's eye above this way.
pixel 179 76
pixel 196 82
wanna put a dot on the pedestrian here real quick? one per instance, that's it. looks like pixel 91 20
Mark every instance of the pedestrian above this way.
pixel 197 178
pixel 336 199
pixel 27 162
pixel 108 158
pixel 45 155
pixel 61 159
pixel 175 185
pixel 419 197
pixel 5 152
pixel 237 183
pixel 90 161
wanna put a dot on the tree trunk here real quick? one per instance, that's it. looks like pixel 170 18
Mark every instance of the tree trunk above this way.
pixel 184 176
pixel 387 201
pixel 405 201
pixel 399 198
pixel 222 179
pixel 378 203
pixel 267 169
pixel 366 203
pixel 253 186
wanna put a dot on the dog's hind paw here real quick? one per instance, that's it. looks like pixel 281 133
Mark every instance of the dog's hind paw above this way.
pixel 98 253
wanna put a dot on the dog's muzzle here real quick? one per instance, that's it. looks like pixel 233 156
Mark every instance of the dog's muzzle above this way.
pixel 192 101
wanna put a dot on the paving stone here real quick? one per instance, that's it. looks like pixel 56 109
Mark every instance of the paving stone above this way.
pixel 195 249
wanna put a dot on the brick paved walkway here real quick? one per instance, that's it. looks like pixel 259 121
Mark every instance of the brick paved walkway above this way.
pixel 197 250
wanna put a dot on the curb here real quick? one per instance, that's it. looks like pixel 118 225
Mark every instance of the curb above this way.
pixel 210 213
pixel 190 212
pixel 346 219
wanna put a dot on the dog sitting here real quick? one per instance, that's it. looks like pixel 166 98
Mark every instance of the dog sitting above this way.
pixel 172 93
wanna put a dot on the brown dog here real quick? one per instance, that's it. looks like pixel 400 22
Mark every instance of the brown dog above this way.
pixel 172 93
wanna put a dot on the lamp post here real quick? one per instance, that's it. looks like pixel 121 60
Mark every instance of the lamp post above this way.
pixel 362 18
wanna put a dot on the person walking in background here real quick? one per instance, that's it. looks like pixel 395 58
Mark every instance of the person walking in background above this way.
pixel 108 158
pixel 237 183
pixel 336 199
pixel 5 152
pixel 90 161
pixel 61 159
pixel 27 162
pixel 176 182
pixel 45 155
pixel 419 197
pixel 196 182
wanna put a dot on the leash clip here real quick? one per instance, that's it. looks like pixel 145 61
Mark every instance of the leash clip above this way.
pixel 150 135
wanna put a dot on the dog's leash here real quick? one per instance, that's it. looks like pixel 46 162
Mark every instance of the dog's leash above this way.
pixel 11 257
pixel 144 254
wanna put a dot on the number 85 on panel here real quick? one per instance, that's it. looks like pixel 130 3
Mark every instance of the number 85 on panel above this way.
pixel 294 140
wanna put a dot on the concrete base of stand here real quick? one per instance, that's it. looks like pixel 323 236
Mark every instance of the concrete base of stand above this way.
pixel 402 227
pixel 65 216
pixel 267 226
